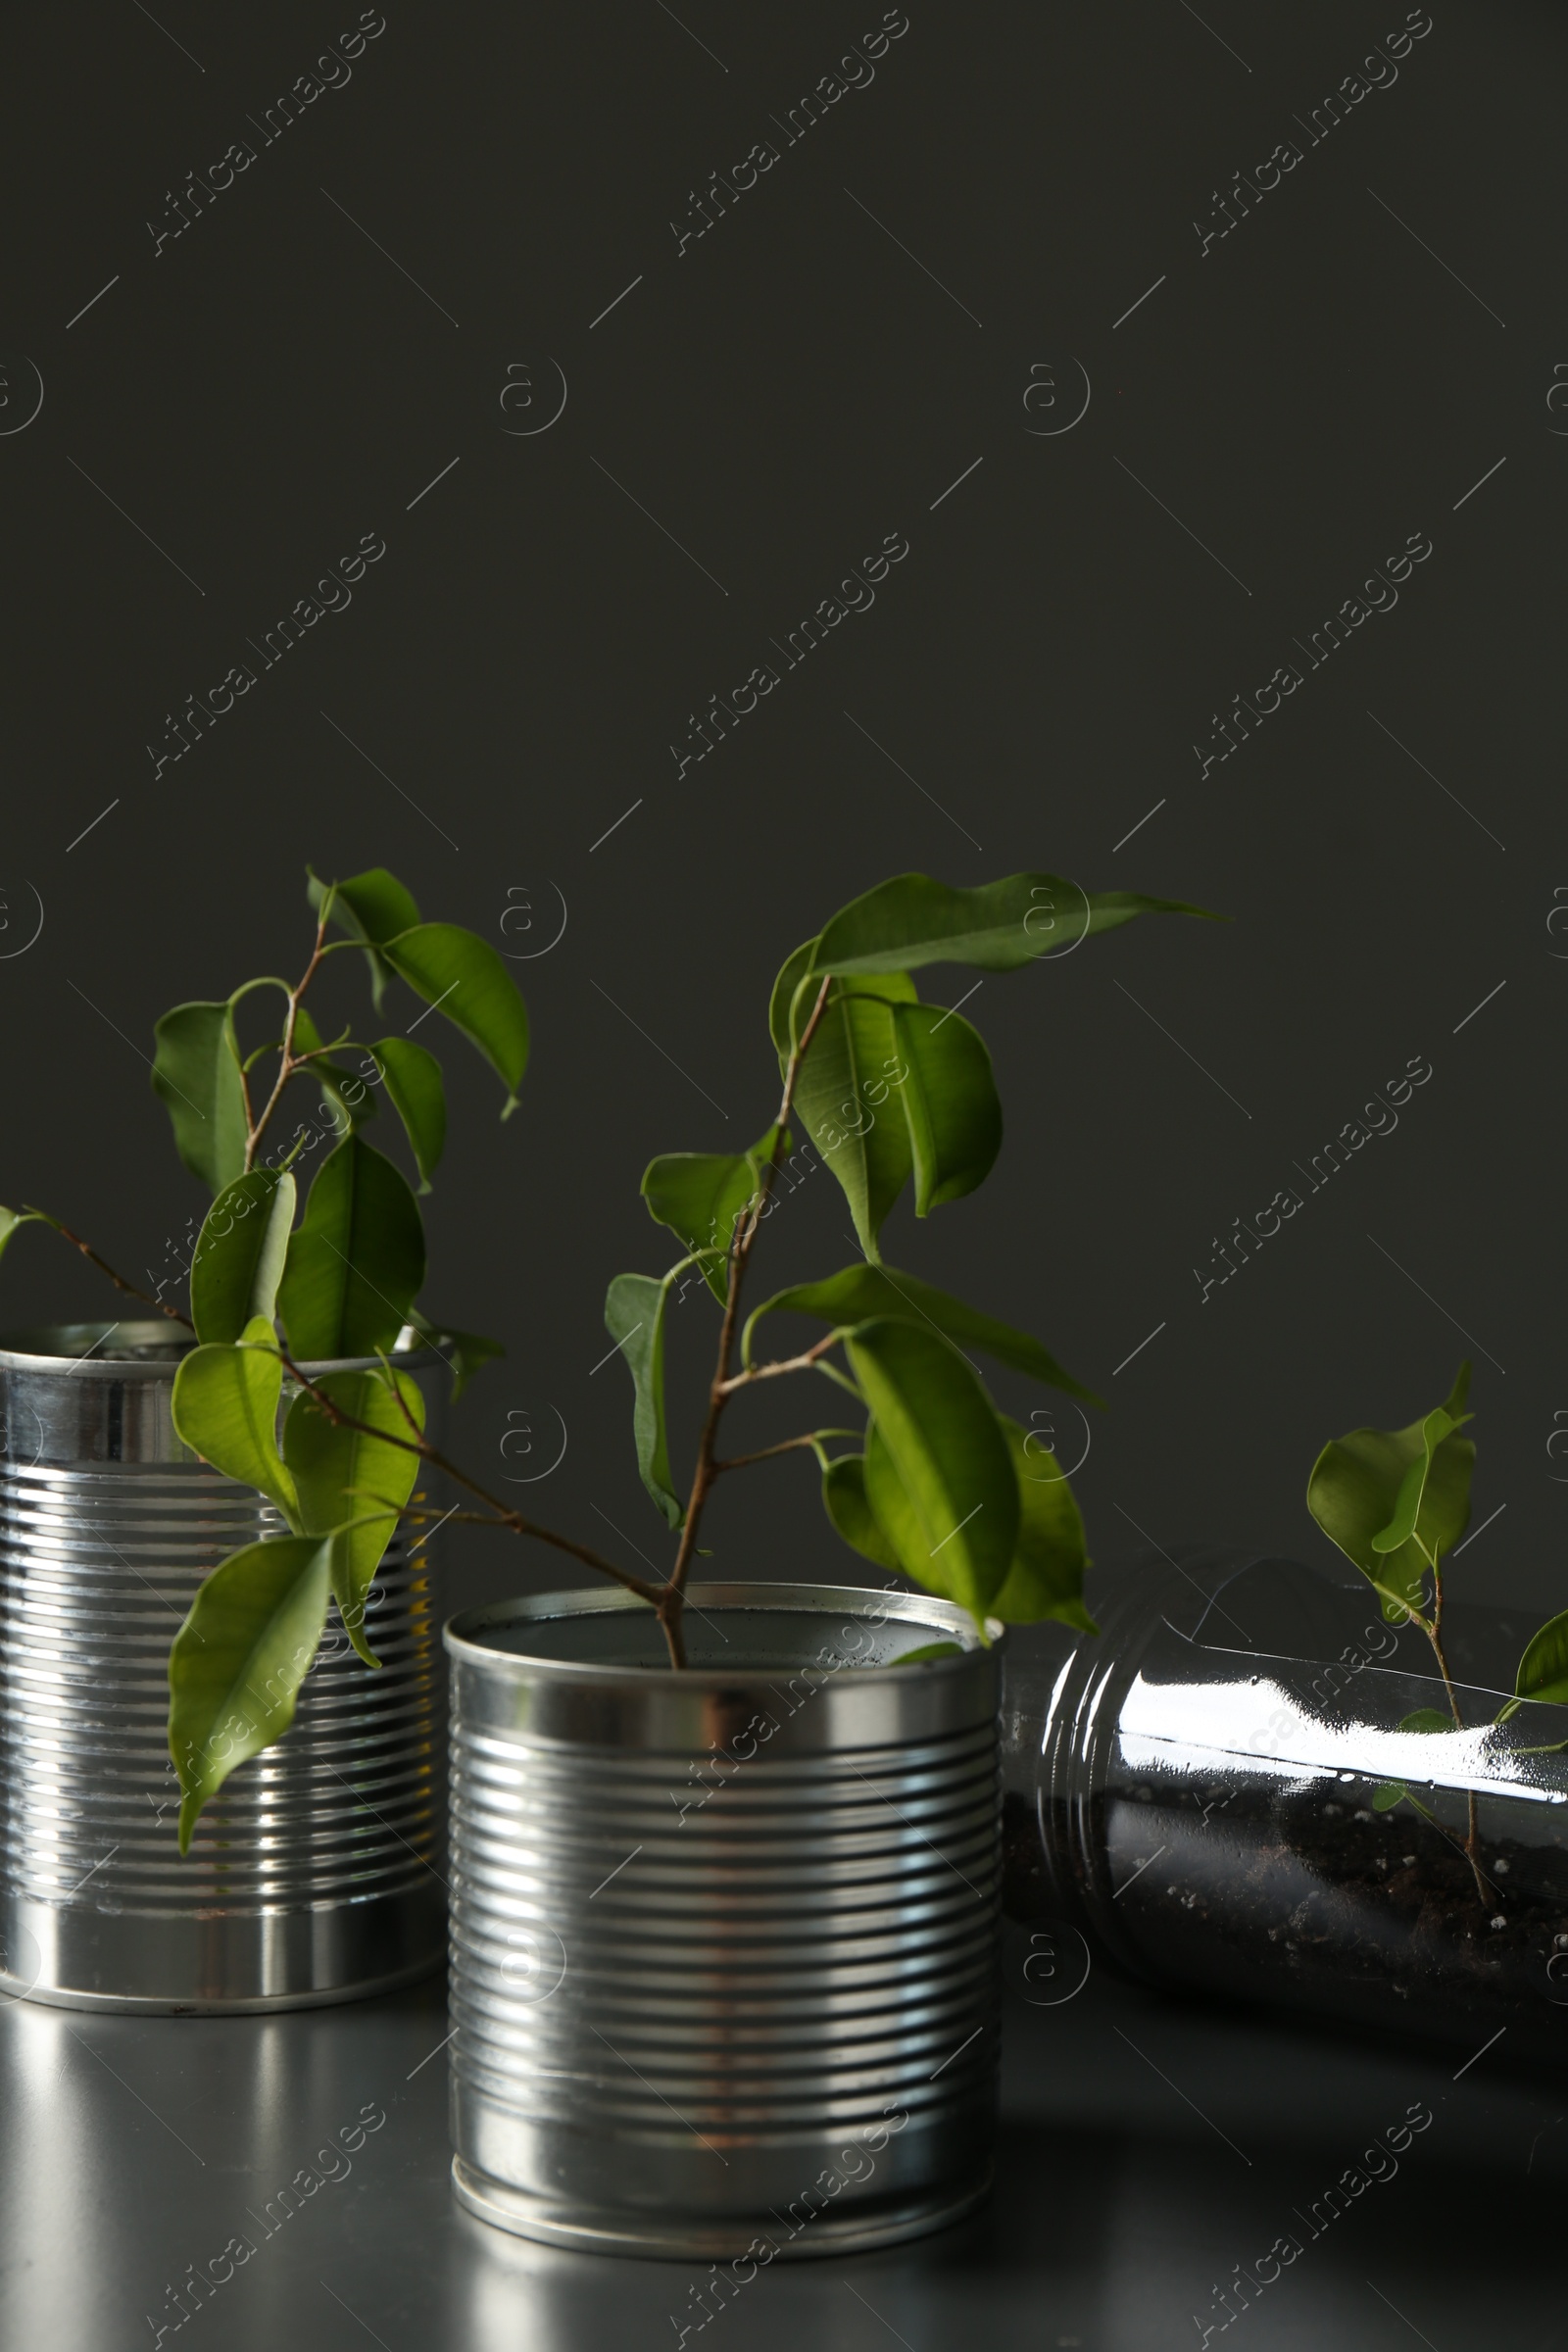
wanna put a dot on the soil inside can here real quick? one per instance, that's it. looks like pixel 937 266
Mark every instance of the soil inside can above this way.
pixel 1314 1900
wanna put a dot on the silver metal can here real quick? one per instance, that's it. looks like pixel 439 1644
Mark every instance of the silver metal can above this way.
pixel 723 1941
pixel 313 1874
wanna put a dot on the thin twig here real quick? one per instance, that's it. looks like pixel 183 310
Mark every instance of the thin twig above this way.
pixel 789 1363
pixel 766 1454
pixel 1472 1846
pixel 505 1516
pixel 287 1065
pixel 672 1599
pixel 130 1288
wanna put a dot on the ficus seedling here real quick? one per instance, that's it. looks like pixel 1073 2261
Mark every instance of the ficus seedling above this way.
pixel 1397 1502
pixel 892 1093
pixel 272 1288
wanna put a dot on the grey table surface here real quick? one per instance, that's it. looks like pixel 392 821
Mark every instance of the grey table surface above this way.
pixel 1150 2153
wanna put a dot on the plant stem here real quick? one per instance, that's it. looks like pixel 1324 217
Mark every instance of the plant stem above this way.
pixel 287 1064
pixel 789 1363
pixel 503 1514
pixel 130 1288
pixel 1472 1844
pixel 668 1599
pixel 766 1454
pixel 672 1600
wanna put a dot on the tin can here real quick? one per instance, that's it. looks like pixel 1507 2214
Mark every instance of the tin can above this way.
pixel 723 1940
pixel 313 1873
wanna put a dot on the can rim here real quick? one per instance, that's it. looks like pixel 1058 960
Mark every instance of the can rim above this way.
pixel 173 1346
pixel 462 1634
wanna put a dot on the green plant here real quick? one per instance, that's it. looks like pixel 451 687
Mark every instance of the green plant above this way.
pixel 342 1282
pixel 943 1488
pixel 1396 1502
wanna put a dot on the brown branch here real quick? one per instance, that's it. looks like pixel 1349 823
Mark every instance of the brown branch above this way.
pixel 130 1288
pixel 1472 1844
pixel 786 1363
pixel 505 1515
pixel 440 1518
pixel 672 1599
pixel 255 1129
pixel 766 1454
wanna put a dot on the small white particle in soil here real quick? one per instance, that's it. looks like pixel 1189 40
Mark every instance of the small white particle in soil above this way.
pixel 1501 1868
pixel 1499 1920
pixel 1407 1859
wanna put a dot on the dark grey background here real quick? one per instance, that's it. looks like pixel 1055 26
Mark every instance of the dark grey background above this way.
pixel 1304 396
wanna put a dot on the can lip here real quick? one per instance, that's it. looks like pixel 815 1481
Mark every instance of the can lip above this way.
pixel 160 1347
pixel 463 1633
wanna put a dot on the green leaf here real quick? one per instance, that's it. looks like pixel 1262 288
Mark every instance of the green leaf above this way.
pixel 469 979
pixel 355 1261
pixel 370 906
pixel 1427 1719
pixel 340 1474
pixel 196 1074
pixel 843 1499
pixel 1437 1426
pixel 1544 1669
pixel 413 1082
pixel 1363 1487
pixel 857 1291
pixel 225 1409
pixel 927 1649
pixel 847 1105
pixel 238 1660
pixel 344 1091
pixel 634 1317
pixel 238 1261
pixel 463 1351
pixel 912 920
pixel 784 999
pixel 936 1442
pixel 1047 1576
pixel 1388 1794
pixel 10 1218
pixel 950 1100
pixel 701 1195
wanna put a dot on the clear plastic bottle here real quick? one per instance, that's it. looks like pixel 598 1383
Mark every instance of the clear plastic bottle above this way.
pixel 1209 1795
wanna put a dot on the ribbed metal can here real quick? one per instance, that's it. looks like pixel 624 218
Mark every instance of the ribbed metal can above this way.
pixel 723 1941
pixel 313 1874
